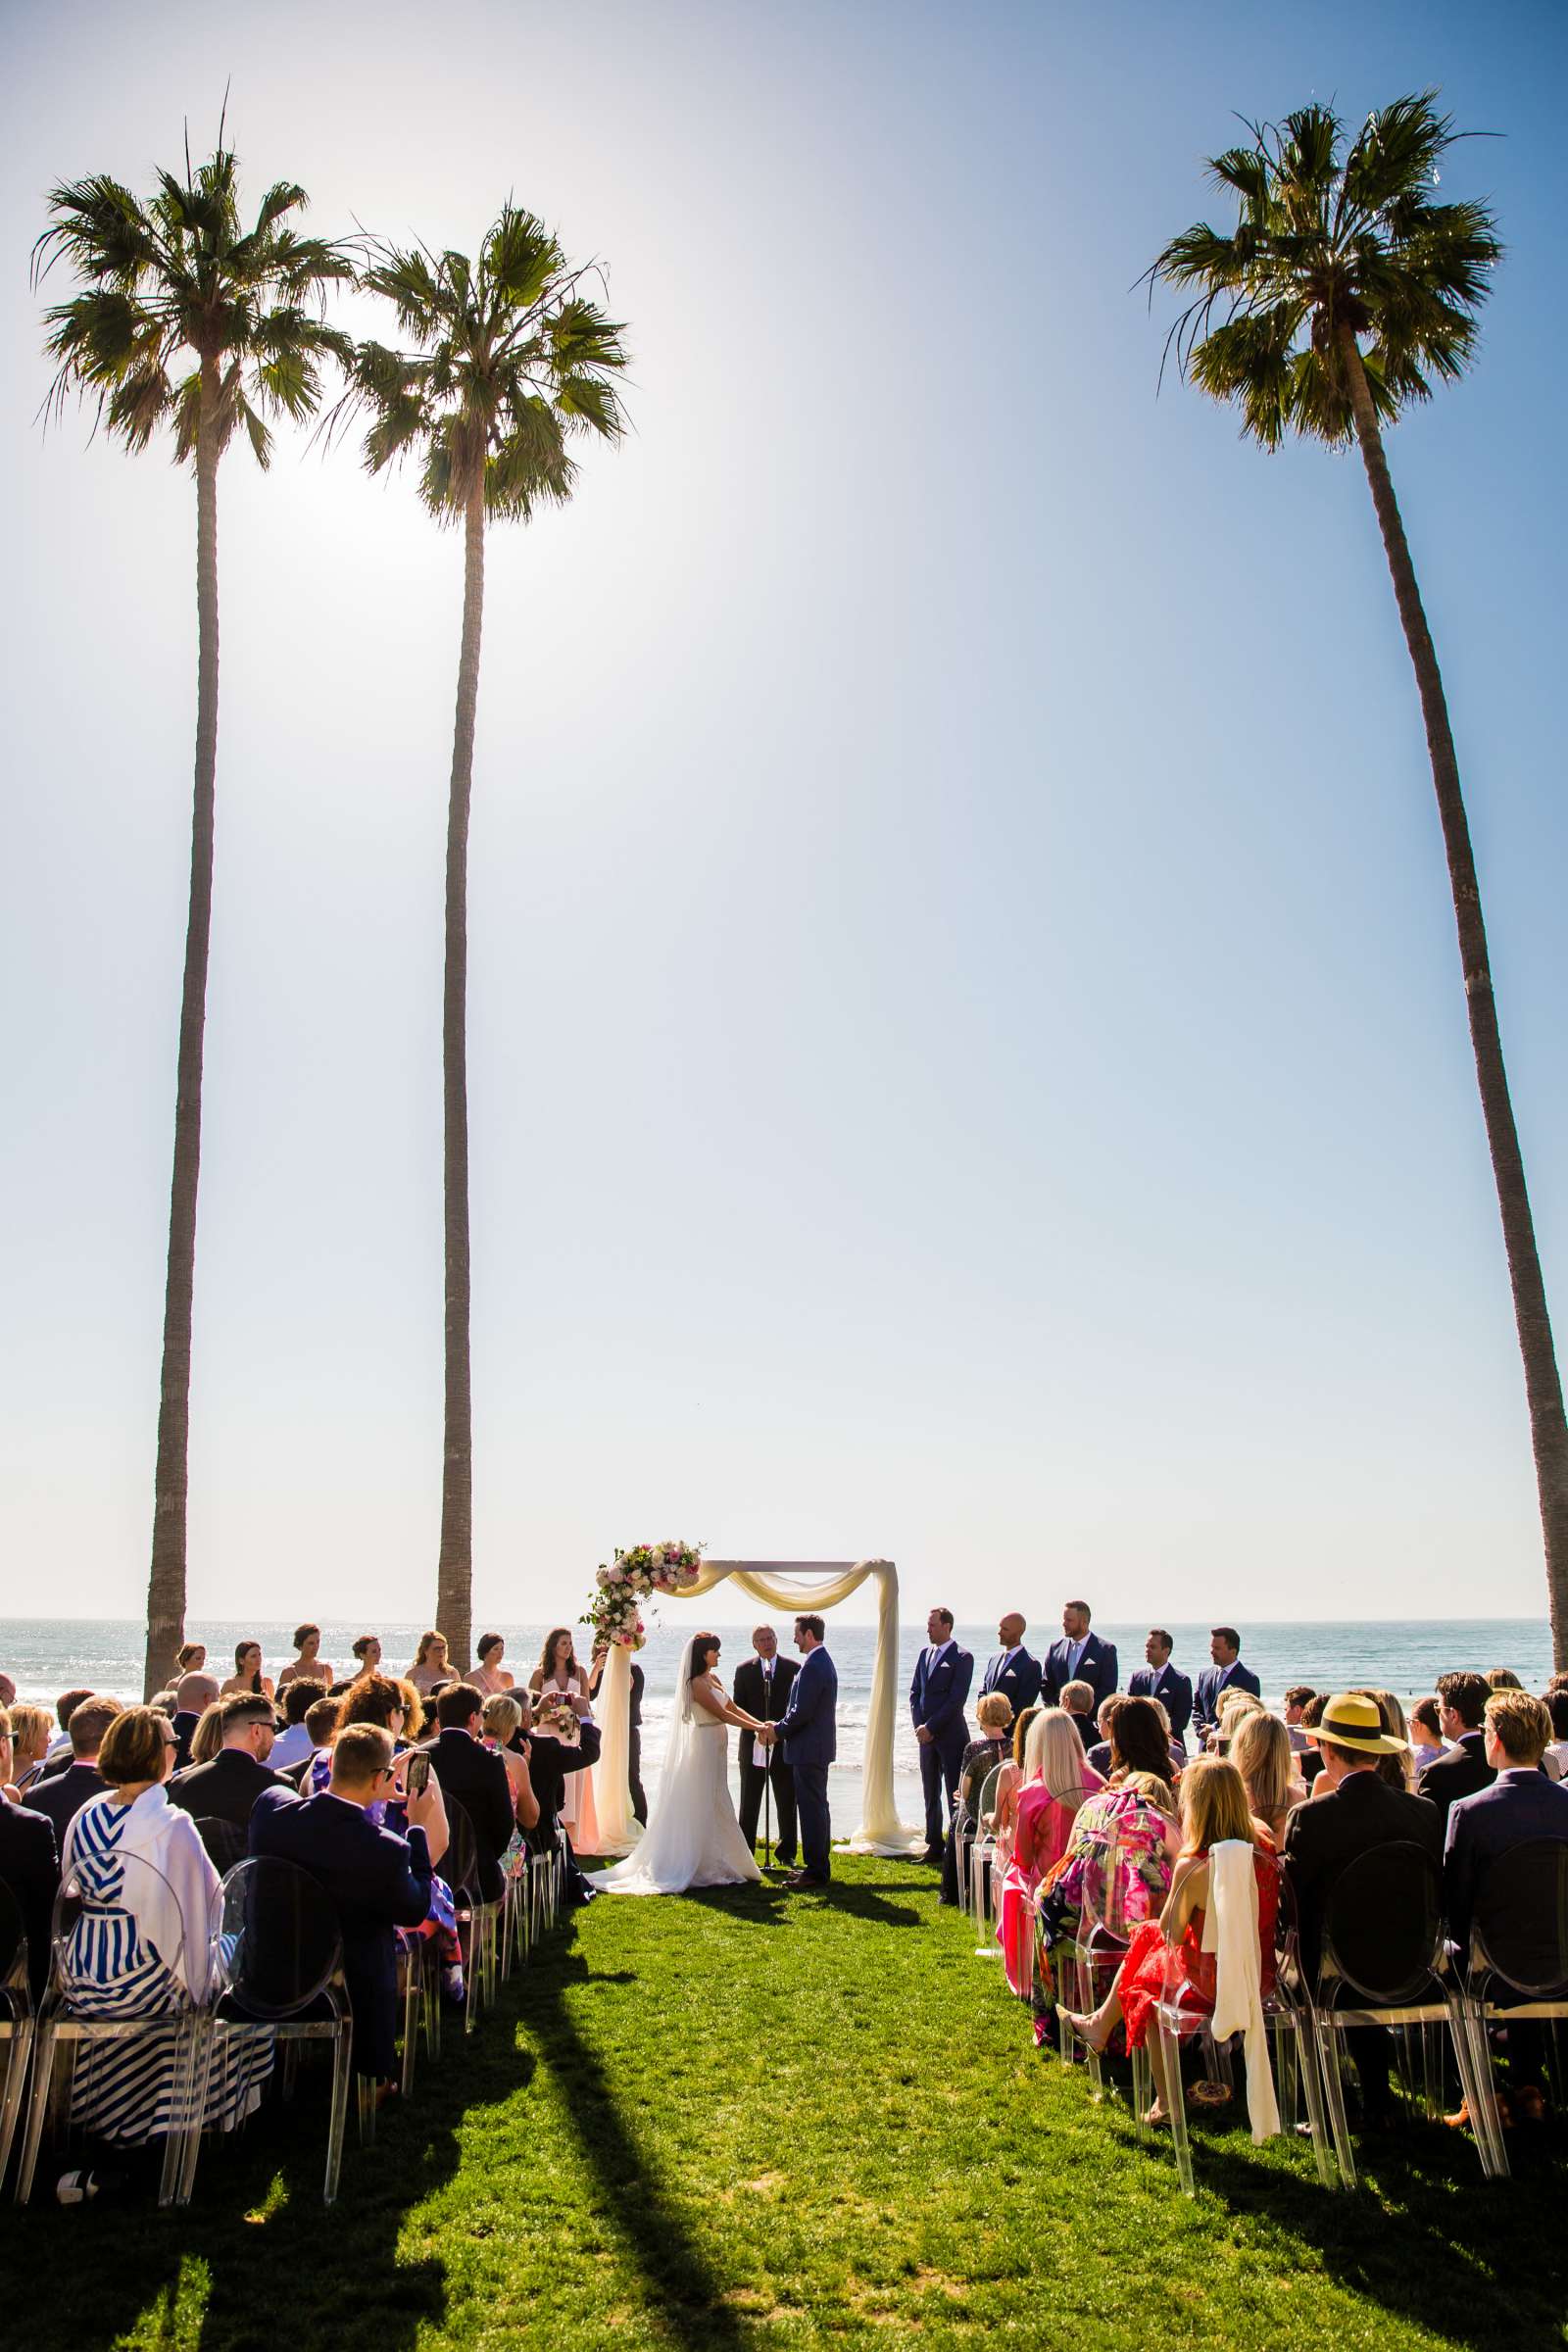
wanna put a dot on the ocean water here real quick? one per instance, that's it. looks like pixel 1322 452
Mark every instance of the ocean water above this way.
pixel 47 1655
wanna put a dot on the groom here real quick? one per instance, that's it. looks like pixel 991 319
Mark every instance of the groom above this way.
pixel 808 1734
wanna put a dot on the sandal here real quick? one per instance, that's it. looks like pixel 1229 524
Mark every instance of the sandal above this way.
pixel 1209 2094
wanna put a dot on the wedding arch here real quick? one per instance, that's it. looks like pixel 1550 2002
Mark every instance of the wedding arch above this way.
pixel 794 1585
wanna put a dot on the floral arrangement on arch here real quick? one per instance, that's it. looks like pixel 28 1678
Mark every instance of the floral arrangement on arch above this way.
pixel 615 1609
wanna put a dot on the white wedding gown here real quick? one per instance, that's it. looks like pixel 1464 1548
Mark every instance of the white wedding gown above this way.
pixel 693 1838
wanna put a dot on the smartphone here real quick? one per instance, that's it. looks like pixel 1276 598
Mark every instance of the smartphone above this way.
pixel 417 1777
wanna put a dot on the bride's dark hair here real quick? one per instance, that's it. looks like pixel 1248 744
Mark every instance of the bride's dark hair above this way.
pixel 702 1643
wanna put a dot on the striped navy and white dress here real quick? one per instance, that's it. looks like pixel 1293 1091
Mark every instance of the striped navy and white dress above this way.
pixel 141 1945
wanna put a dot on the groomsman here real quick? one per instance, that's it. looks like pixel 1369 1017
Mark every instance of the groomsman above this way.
pixel 762 1688
pixel 1080 1656
pixel 1161 1680
pixel 1227 1673
pixel 1011 1670
pixel 943 1673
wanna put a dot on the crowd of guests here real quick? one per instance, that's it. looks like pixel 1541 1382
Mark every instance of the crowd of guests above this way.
pixel 398 1794
pixel 1097 1810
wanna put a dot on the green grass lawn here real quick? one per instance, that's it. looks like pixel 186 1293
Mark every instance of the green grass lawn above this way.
pixel 767 2118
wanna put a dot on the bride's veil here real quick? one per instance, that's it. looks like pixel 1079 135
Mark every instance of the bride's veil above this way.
pixel 668 1851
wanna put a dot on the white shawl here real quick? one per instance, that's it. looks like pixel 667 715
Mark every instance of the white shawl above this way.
pixel 1230 1932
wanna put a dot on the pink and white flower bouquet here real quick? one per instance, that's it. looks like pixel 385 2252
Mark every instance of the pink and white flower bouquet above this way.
pixel 615 1609
pixel 555 1718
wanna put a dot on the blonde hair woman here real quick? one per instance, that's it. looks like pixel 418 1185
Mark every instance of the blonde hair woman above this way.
pixel 1056 1779
pixel 1261 1753
pixel 1165 1959
pixel 500 1720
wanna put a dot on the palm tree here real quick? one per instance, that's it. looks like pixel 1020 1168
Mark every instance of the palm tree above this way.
pixel 509 363
pixel 1344 289
pixel 189 321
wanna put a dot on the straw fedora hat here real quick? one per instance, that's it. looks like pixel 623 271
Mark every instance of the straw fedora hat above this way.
pixel 1351 1721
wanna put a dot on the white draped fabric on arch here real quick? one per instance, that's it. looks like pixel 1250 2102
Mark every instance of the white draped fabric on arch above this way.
pixel 794 1585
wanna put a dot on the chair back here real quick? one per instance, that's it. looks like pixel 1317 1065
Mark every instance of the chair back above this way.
pixel 280 1943
pixel 225 1843
pixel 1520 1928
pixel 460 1864
pixel 13 1941
pixel 1383 1929
pixel 119 1928
pixel 987 1801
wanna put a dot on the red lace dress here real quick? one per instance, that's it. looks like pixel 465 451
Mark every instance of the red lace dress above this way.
pixel 1142 1977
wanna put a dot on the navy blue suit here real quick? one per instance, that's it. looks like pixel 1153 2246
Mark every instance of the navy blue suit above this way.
pixel 1173 1690
pixel 1210 1683
pixel 376 1881
pixel 1017 1678
pixel 1519 1806
pixel 936 1704
pixel 807 1731
pixel 1097 1667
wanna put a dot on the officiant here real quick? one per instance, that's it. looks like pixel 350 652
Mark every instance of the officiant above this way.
pixel 762 1688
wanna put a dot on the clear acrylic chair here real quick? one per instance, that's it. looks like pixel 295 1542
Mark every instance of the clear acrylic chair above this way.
pixel 1517 1970
pixel 1384 1962
pixel 459 1867
pixel 93 2002
pixel 1085 1963
pixel 16 2019
pixel 279 1964
pixel 982 1875
pixel 965 1813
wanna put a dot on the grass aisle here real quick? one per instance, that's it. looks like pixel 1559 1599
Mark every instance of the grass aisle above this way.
pixel 758 2119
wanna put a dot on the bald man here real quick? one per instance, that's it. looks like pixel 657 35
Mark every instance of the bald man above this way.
pixel 1011 1669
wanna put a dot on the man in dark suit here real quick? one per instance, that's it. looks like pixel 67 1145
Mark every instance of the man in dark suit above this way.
pixel 477 1777
pixel 1226 1673
pixel 29 1864
pixel 376 1879
pixel 807 1732
pixel 550 1765
pixel 228 1787
pixel 1353 1814
pixel 1080 1656
pixel 1011 1670
pixel 943 1673
pixel 763 1688
pixel 1463 1769
pixel 1161 1680
pixel 62 1794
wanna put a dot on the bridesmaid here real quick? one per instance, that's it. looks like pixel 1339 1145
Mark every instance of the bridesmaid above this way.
pixel 490 1676
pixel 557 1671
pixel 247 1677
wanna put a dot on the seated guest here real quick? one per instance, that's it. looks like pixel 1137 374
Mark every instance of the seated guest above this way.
pixel 490 1676
pixel 1297 1698
pixel 1353 1812
pixel 294 1742
pixel 1078 1701
pixel 7 1692
pixel 1141 1741
pixel 502 1720
pixel 1260 1750
pixel 1158 1679
pixel 320 1723
pixel 1464 1769
pixel 247 1680
pixel 1117 1865
pixel 1225 1673
pixel 982 1756
pixel 60 1755
pixel 1010 1784
pixel 30 1859
pixel 31 1730
pixel 1555 1703
pixel 227 1789
pixel 307 1666
pixel 550 1766
pixel 153 1905
pixel 476 1778
pixel 62 1794
pixel 1165 1958
pixel 1521 1807
pixel 1426 1733
pixel 378 1882
pixel 1398 1769
pixel 194 1693
pixel 1233 1710
pixel 431 1670
pixel 1503 1678
pixel 206 1740
pixel 1309 1762
pixel 1056 1780
pixel 1100 1753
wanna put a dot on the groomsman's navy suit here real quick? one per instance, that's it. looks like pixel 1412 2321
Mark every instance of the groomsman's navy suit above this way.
pixel 1097 1667
pixel 808 1732
pixel 1210 1683
pixel 1173 1690
pixel 1017 1675
pixel 936 1704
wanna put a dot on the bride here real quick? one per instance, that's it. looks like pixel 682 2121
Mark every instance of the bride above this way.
pixel 693 1838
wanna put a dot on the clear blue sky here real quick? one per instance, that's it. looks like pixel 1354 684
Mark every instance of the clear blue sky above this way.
pixel 967 1052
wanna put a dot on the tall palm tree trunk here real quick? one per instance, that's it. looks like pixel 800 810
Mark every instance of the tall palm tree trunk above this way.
pixel 166 1588
pixel 1548 1427
pixel 455 1573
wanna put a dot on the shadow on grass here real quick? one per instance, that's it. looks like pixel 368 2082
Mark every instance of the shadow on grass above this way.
pixel 862 1898
pixel 1477 2261
pixel 682 2284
